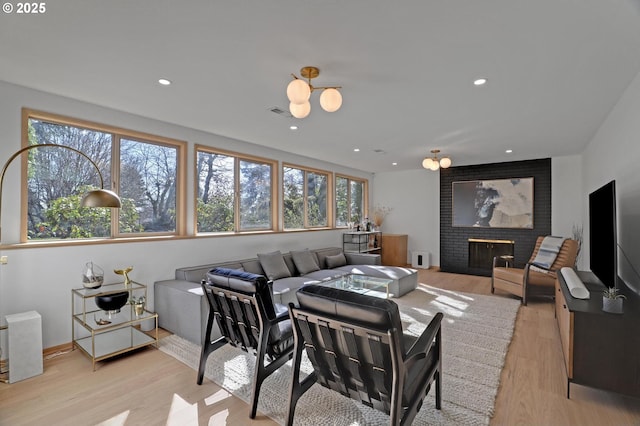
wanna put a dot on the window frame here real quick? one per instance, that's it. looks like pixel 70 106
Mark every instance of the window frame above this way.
pixel 330 198
pixel 365 197
pixel 237 158
pixel 117 133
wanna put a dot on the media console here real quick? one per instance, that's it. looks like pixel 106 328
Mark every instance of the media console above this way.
pixel 600 349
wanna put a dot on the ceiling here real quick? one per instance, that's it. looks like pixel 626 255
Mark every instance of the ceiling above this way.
pixel 555 68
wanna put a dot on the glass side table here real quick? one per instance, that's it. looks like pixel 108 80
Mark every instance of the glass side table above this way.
pixel 100 335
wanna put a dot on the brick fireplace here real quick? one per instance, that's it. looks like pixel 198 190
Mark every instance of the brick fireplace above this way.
pixel 454 241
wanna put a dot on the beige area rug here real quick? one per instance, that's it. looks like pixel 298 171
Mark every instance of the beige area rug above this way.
pixel 476 332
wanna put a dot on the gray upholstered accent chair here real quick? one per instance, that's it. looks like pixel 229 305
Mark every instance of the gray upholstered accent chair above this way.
pixel 356 346
pixel 241 303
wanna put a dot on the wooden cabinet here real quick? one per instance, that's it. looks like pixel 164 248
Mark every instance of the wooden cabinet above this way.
pixel 565 326
pixel 600 349
pixel 394 252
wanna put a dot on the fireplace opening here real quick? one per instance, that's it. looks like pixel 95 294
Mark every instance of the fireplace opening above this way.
pixel 482 252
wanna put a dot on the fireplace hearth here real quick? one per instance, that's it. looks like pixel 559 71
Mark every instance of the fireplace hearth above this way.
pixel 482 251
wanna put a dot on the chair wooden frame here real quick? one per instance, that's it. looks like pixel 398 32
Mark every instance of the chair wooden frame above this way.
pixel 245 322
pixel 521 281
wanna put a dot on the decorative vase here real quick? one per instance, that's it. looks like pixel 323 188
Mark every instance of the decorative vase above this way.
pixel 613 306
pixel 139 308
pixel 92 276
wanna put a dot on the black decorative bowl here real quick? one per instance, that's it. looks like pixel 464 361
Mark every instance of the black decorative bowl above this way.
pixel 112 302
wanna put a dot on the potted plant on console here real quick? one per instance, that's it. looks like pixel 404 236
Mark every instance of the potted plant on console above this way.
pixel 612 300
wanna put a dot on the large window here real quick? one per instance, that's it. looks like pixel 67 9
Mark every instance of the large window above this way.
pixel 142 169
pixel 305 198
pixel 235 193
pixel 351 195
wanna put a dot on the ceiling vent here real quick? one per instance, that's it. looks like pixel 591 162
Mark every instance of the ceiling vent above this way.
pixel 281 112
pixel 379 151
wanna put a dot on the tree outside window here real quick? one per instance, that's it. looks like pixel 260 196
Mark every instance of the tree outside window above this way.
pixel 350 200
pixel 305 198
pixel 57 178
pixel 148 177
pixel 234 194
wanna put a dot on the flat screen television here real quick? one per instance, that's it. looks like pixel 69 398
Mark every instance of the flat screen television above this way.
pixel 603 248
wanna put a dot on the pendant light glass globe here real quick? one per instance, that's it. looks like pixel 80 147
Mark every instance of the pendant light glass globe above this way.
pixel 300 110
pixel 435 165
pixel 445 162
pixel 330 100
pixel 298 91
pixel 427 163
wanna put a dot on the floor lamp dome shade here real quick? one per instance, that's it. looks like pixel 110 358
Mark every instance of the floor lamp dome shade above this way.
pixel 100 198
pixel 95 198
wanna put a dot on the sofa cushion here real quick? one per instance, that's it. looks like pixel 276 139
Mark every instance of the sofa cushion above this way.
pixel 305 261
pixel 253 266
pixel 274 265
pixel 322 254
pixel 336 261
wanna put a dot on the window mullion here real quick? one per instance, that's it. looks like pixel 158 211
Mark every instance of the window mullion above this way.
pixel 236 194
pixel 115 182
pixel 305 199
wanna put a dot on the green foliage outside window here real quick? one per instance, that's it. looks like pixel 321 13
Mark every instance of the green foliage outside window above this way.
pixel 349 200
pixel 305 198
pixel 223 182
pixel 57 178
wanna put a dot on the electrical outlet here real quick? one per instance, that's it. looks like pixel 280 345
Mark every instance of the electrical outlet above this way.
pixel 4 260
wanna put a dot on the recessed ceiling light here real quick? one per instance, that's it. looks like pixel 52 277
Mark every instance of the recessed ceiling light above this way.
pixel 294 127
pixel 509 151
pixel 164 81
pixel 356 150
pixel 480 81
pixel 394 164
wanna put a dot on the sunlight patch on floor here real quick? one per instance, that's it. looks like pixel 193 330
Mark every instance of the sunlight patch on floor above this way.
pixel 181 412
pixel 439 291
pixel 455 305
pixel 217 397
pixel 219 418
pixel 118 420
pixel 243 369
pixel 449 302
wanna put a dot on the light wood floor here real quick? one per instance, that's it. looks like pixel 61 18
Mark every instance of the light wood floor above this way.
pixel 151 388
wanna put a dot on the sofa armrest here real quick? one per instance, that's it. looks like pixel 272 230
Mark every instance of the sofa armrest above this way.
pixel 363 259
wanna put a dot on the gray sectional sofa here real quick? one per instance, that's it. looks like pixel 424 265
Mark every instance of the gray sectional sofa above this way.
pixel 182 309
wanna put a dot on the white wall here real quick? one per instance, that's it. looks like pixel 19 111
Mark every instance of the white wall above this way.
pixel 41 279
pixel 567 198
pixel 414 196
pixel 614 153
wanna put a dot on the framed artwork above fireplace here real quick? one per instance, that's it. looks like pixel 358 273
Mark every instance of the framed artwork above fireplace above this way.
pixel 498 203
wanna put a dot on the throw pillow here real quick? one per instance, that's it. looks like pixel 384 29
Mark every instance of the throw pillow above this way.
pixel 305 261
pixel 273 265
pixel 336 260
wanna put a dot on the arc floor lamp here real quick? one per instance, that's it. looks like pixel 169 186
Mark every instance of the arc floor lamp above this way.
pixel 94 198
